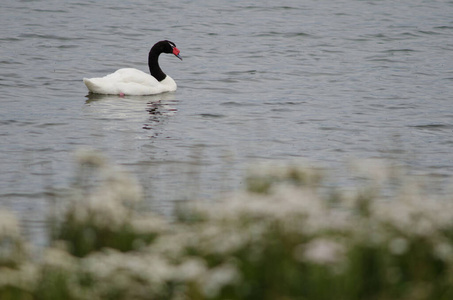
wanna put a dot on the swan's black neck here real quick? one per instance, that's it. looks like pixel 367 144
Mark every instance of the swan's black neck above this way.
pixel 153 64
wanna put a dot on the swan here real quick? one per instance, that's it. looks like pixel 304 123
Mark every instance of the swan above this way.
pixel 129 81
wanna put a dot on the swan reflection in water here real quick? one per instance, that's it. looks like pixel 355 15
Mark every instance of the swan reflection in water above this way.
pixel 132 108
pixel 157 111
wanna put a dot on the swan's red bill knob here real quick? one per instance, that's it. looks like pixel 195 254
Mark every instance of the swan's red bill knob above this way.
pixel 176 53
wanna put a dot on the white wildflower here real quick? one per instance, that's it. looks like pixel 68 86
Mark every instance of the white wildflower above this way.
pixel 222 240
pixel 217 278
pixel 88 156
pixel 118 185
pixel 149 223
pixel 172 245
pixel 24 277
pixel 9 225
pixel 264 177
pixel 377 170
pixel 113 182
pixel 190 269
pixel 102 212
pixel 137 275
pixel 443 251
pixel 12 248
pixel 424 227
pixel 398 246
pixel 320 251
pixel 59 259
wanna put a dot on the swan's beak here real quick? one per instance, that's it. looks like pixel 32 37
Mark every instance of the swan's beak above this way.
pixel 176 53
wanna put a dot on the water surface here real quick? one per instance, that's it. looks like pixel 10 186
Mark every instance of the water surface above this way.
pixel 325 81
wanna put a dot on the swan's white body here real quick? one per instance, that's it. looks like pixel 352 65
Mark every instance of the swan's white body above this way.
pixel 129 81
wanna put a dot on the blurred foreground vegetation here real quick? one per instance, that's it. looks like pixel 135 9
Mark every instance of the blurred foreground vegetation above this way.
pixel 285 237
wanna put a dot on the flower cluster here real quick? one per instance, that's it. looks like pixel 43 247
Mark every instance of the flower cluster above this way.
pixel 287 236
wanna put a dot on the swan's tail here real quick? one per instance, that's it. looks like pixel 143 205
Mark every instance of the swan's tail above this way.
pixel 91 85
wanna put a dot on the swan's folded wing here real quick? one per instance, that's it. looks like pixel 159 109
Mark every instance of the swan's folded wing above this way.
pixel 129 81
pixel 100 86
pixel 133 75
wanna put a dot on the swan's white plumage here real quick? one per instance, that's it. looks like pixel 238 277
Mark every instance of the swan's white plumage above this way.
pixel 129 81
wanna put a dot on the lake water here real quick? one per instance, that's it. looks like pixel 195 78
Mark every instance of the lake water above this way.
pixel 326 81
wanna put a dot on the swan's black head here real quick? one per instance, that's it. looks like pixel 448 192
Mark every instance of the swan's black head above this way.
pixel 166 47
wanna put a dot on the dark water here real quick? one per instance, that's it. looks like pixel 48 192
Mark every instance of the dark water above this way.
pixel 326 81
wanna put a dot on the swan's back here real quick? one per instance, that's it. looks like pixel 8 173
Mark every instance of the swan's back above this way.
pixel 129 81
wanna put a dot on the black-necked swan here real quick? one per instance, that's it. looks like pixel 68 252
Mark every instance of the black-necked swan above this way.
pixel 129 81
